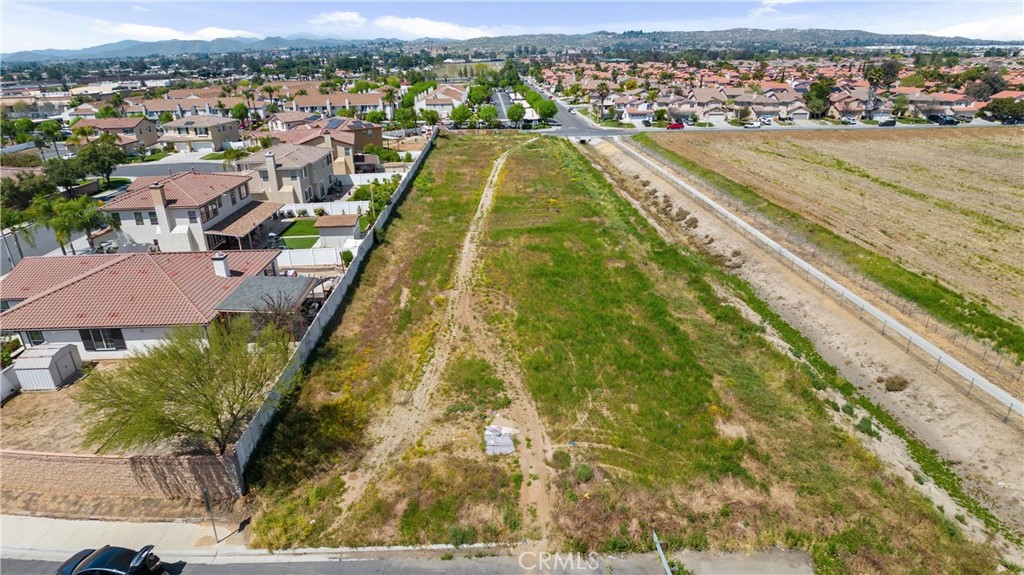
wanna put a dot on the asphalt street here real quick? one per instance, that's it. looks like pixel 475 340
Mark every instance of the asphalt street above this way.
pixel 165 168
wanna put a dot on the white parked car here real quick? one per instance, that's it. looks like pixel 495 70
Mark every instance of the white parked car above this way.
pixel 849 121
pixel 752 125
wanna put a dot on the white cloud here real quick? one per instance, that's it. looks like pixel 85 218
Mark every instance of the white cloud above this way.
pixel 140 9
pixel 412 28
pixel 353 19
pixel 145 32
pixel 769 7
pixel 1009 27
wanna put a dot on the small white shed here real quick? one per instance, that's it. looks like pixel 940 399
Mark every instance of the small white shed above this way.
pixel 47 367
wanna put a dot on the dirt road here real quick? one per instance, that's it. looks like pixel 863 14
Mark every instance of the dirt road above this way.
pixel 986 453
pixel 410 415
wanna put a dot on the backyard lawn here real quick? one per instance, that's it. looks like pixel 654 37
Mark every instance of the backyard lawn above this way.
pixel 300 228
pixel 303 243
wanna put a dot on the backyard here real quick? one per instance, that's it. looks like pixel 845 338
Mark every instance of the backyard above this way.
pixel 301 234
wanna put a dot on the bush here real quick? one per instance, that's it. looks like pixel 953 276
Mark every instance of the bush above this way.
pixel 319 212
pixel 459 536
pixel 302 213
pixel 848 408
pixel 560 459
pixel 896 383
pixel 347 257
pixel 866 427
pixel 584 473
pixel 407 158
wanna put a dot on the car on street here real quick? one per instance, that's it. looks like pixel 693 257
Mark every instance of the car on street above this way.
pixel 646 123
pixel 69 155
pixel 109 560
pixel 849 121
pixel 752 125
pixel 674 126
pixel 887 123
pixel 942 120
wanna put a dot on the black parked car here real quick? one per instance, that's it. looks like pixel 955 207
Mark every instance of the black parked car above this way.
pixel 889 122
pixel 109 560
pixel 942 120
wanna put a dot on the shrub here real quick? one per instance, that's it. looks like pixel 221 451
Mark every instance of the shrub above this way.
pixel 458 535
pixel 302 213
pixel 896 383
pixel 865 426
pixel 561 459
pixel 347 257
pixel 407 158
pixel 319 212
pixel 848 408
pixel 584 473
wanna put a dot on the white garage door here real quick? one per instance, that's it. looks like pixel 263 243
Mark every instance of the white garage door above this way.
pixel 203 146
pixel 181 147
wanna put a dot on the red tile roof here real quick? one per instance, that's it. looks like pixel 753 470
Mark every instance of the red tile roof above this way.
pixel 124 290
pixel 182 190
pixel 111 123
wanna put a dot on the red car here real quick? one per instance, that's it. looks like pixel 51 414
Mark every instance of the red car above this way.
pixel 675 126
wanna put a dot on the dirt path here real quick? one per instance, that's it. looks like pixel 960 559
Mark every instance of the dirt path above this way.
pixel 987 453
pixel 413 410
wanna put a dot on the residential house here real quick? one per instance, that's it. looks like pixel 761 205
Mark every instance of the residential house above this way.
pixel 130 145
pixel 190 211
pixel 142 129
pixel 110 306
pixel 282 121
pixel 344 137
pixel 637 115
pixel 1016 95
pixel 327 104
pixel 201 133
pixel 441 99
pixel 290 173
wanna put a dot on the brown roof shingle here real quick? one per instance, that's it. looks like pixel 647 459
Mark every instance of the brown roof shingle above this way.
pixel 182 190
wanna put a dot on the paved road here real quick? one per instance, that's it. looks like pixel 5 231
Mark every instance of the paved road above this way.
pixel 502 103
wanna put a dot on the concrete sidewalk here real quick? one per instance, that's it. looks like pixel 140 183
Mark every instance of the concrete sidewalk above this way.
pixel 46 539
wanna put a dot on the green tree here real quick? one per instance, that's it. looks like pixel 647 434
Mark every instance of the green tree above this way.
pixel 461 114
pixel 345 113
pixel 19 221
pixel 232 155
pixel 488 115
pixel 240 112
pixel 516 113
pixel 602 92
pixel 1004 109
pixel 117 102
pixel 546 109
pixel 900 104
pixel 64 173
pixel 478 95
pixel 101 156
pixel 431 117
pixel 107 112
pixel 267 142
pixel 51 130
pixel 66 217
pixel 166 117
pixel 406 117
pixel 188 388
pixel 376 117
pixel 19 192
pixel 817 96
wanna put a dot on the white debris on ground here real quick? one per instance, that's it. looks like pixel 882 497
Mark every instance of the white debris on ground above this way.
pixel 499 439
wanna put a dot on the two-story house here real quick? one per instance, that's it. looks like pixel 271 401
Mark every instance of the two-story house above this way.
pixel 187 211
pixel 290 173
pixel 201 133
pixel 142 129
pixel 112 305
pixel 442 99
pixel 282 121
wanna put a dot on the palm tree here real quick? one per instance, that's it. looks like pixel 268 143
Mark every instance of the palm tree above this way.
pixel 270 91
pixel 65 217
pixel 21 224
pixel 602 93
pixel 389 95
pixel 232 155
pixel 117 102
pixel 221 108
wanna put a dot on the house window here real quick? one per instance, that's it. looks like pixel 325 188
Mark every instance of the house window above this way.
pixel 243 192
pixel 192 217
pixel 348 152
pixel 102 339
pixel 138 218
pixel 35 338
pixel 234 198
pixel 220 201
pixel 212 209
pixel 152 218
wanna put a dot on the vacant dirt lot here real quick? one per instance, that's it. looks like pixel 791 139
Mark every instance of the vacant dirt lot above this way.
pixel 944 202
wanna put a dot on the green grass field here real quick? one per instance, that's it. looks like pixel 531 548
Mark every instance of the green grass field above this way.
pixel 628 351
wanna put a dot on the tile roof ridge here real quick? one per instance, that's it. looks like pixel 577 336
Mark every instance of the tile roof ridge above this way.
pixel 114 259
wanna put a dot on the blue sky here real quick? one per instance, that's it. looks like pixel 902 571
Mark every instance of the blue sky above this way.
pixel 44 24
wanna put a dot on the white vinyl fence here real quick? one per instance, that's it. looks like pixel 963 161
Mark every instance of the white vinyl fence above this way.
pixel 250 438
pixel 943 358
pixel 330 208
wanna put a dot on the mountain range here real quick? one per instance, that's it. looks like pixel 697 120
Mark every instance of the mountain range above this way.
pixel 737 38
